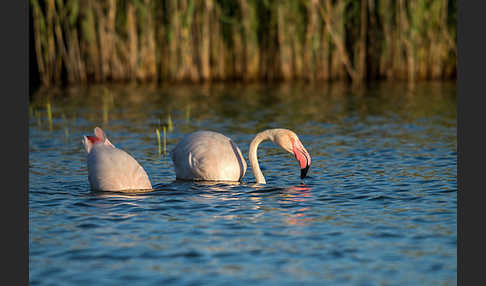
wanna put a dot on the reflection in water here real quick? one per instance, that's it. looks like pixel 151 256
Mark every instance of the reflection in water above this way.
pixel 379 204
pixel 292 106
pixel 127 194
pixel 299 217
pixel 297 194
pixel 105 107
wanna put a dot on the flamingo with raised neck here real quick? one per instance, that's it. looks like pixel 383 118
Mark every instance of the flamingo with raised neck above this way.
pixel 211 156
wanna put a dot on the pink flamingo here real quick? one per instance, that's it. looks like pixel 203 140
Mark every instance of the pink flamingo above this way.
pixel 110 168
pixel 211 156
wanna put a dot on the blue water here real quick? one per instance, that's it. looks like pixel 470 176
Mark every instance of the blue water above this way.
pixel 378 207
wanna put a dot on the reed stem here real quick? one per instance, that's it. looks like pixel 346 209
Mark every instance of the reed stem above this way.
pixel 157 132
pixel 169 123
pixel 49 115
pixel 194 40
pixel 165 141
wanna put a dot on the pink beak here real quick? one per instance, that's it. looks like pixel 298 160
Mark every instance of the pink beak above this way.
pixel 302 157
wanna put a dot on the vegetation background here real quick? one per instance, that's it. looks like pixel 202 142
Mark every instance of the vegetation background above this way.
pixel 99 41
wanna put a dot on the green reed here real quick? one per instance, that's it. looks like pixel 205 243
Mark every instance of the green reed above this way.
pixel 49 114
pixel 188 113
pixel 165 140
pixel 170 126
pixel 157 132
pixel 196 40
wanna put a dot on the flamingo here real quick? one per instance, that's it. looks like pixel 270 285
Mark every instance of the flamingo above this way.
pixel 110 168
pixel 211 156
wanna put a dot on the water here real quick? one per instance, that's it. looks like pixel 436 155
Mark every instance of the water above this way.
pixel 378 207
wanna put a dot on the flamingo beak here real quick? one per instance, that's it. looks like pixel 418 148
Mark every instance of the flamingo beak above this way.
pixel 303 158
pixel 303 172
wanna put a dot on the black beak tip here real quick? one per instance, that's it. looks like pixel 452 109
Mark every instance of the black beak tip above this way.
pixel 303 172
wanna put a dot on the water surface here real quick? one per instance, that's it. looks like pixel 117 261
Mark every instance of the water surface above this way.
pixel 378 207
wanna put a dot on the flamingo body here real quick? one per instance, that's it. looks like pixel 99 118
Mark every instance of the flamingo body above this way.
pixel 110 168
pixel 211 156
pixel 208 156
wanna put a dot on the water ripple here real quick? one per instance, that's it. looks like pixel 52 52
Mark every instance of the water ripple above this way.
pixel 379 204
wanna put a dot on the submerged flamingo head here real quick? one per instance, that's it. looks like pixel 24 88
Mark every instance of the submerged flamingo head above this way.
pixel 290 142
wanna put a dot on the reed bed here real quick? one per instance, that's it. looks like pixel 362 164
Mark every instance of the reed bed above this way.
pixel 94 41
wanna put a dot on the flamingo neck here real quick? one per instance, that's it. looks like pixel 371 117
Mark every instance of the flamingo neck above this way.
pixel 257 172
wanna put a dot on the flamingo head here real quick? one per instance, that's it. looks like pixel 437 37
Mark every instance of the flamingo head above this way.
pixel 99 138
pixel 291 143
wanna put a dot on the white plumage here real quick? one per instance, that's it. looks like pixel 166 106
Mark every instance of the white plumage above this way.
pixel 211 156
pixel 110 168
pixel 208 156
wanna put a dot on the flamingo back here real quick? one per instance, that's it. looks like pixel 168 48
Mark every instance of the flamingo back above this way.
pixel 209 156
pixel 110 168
